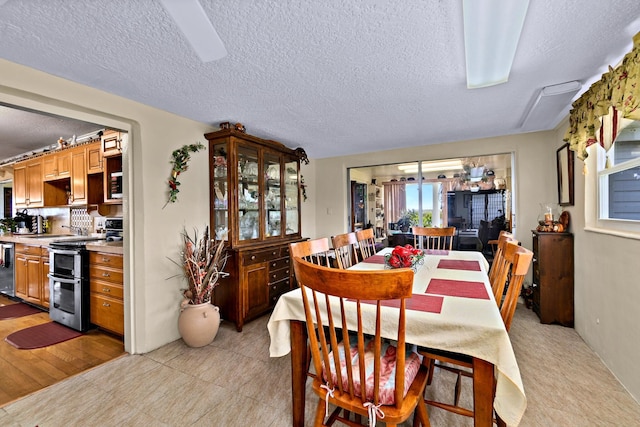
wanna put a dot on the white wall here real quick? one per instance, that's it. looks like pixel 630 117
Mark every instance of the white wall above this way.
pixel 607 295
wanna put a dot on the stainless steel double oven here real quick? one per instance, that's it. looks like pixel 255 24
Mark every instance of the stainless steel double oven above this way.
pixel 69 284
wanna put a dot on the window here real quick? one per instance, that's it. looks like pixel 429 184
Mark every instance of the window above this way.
pixel 619 183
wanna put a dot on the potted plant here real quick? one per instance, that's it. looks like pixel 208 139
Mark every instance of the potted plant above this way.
pixel 202 260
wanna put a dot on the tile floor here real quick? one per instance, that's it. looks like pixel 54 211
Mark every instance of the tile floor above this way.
pixel 234 382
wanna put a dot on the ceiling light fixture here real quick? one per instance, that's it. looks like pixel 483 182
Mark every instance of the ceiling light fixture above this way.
pixel 491 32
pixel 194 23
pixel 546 111
pixel 437 166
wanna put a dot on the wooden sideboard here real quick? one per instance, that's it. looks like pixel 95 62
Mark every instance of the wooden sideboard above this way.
pixel 553 268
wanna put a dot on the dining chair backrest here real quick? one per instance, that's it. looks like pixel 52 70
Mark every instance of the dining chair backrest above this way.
pixel 520 259
pixel 433 237
pixel 345 248
pixel 498 264
pixel 338 305
pixel 316 251
pixel 366 242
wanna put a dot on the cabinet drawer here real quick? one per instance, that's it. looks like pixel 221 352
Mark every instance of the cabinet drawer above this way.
pixel 256 257
pixel 98 272
pixel 21 248
pixel 107 313
pixel 277 289
pixel 277 264
pixel 103 258
pixel 107 289
pixel 277 275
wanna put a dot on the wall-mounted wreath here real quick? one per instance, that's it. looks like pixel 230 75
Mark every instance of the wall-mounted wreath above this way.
pixel 181 157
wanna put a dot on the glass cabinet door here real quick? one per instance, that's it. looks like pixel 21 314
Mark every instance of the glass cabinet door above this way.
pixel 220 193
pixel 292 197
pixel 248 194
pixel 272 195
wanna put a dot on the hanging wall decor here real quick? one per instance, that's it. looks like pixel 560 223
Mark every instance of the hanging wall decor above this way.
pixel 180 157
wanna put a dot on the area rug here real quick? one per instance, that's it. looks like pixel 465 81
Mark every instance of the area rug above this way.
pixel 41 336
pixel 12 311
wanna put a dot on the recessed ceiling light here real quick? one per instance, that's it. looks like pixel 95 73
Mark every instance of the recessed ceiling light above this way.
pixel 491 32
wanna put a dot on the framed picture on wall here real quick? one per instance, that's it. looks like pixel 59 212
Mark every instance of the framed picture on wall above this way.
pixel 565 160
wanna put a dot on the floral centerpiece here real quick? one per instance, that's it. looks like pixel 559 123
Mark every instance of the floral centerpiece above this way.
pixel 202 260
pixel 405 257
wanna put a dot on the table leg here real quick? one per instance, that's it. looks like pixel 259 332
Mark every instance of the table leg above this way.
pixel 483 393
pixel 298 370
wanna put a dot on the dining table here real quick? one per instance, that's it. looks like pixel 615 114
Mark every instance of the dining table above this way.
pixel 452 309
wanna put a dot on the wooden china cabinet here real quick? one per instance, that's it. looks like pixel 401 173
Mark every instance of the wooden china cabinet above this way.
pixel 254 206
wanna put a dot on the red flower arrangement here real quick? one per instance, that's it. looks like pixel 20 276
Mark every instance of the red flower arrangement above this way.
pixel 404 257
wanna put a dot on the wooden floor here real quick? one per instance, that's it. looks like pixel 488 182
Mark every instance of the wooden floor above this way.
pixel 23 372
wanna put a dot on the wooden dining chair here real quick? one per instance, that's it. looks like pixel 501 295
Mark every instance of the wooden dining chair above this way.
pixel 366 243
pixel 345 249
pixel 517 261
pixel 316 251
pixel 498 265
pixel 377 380
pixel 433 237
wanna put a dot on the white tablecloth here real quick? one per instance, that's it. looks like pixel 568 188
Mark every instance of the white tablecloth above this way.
pixel 470 326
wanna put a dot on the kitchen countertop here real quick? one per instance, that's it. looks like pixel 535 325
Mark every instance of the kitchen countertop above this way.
pixel 45 240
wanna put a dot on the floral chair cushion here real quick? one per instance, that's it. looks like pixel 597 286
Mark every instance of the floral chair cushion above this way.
pixel 387 370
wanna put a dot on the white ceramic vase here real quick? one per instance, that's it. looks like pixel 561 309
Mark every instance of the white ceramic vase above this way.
pixel 198 324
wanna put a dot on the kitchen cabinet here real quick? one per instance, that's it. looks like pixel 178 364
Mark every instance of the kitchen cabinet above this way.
pixel 78 176
pixel 553 268
pixel 112 143
pixel 56 165
pixel 106 291
pixel 29 274
pixel 255 206
pixel 28 184
pixel 94 158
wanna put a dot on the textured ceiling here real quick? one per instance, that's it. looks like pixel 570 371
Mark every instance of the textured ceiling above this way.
pixel 334 77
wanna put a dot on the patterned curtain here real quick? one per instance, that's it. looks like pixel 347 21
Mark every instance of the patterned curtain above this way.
pixel 596 115
pixel 395 201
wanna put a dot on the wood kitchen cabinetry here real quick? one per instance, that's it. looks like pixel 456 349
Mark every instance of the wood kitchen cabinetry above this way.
pixel 31 280
pixel 255 207
pixel 77 175
pixel 57 165
pixel 94 158
pixel 28 184
pixel 106 291
pixel 553 268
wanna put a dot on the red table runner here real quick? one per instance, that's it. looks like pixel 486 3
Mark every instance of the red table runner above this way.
pixel 436 252
pixel 458 264
pixel 457 288
pixel 428 303
pixel 375 259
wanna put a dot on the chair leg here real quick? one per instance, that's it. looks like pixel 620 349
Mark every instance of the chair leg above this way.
pixel 421 416
pixel 458 389
pixel 320 410
pixel 431 367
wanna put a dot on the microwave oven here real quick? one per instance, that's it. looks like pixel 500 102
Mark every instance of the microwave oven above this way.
pixel 116 185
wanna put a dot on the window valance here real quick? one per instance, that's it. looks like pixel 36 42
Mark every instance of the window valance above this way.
pixel 596 114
